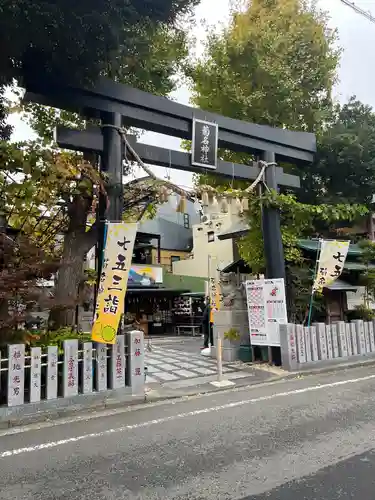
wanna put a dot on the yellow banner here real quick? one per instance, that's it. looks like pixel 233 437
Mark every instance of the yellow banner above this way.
pixel 331 262
pixel 214 287
pixel 113 281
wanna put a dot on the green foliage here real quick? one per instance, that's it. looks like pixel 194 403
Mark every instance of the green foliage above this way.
pixel 22 266
pixel 38 185
pixel 83 40
pixel 298 220
pixel 67 42
pixel 232 335
pixel 57 337
pixel 361 312
pixel 299 279
pixel 367 278
pixel 274 65
pixel 344 167
pixel 90 277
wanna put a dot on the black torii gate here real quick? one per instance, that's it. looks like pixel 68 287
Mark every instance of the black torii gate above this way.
pixel 118 105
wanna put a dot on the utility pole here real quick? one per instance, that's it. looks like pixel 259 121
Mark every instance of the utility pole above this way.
pixel 358 10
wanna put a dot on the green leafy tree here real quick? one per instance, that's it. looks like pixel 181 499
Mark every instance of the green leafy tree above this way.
pixel 22 266
pixel 75 42
pixel 298 220
pixel 367 278
pixel 51 197
pixel 344 168
pixel 53 194
pixel 275 64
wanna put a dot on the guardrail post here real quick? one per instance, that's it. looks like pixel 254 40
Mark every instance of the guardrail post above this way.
pixel 288 347
pixel 301 348
pixel 136 362
pixel 87 375
pixel 52 372
pixel 35 374
pixel 70 385
pixel 118 363
pixel 342 339
pixel 360 334
pixel 101 367
pixel 314 343
pixel 322 340
pixel 16 374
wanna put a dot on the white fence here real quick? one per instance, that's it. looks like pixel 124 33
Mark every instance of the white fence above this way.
pixel 303 346
pixel 45 374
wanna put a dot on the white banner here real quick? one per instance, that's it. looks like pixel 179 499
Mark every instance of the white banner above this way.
pixel 266 305
pixel 331 262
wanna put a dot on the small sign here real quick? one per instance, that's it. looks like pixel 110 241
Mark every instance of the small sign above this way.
pixel 266 305
pixel 329 342
pixel 354 338
pixel 335 341
pixel 314 343
pixel 301 349
pixel 322 341
pixel 87 368
pixel 16 374
pixel 118 363
pixel 52 371
pixel 35 374
pixel 349 342
pixel 342 339
pixel 70 385
pixel 308 343
pixel 361 342
pixel 101 367
pixel 371 335
pixel 137 362
pixel 204 144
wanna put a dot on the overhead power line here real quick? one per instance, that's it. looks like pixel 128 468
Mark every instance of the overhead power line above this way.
pixel 360 11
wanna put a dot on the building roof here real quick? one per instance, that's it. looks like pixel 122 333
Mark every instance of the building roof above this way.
pixel 313 246
pixel 238 229
pixel 341 286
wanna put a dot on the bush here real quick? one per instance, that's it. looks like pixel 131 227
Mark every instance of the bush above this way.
pixel 57 337
pixel 361 312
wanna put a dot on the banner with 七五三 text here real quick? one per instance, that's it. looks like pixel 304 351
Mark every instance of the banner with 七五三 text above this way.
pixel 330 263
pixel 118 252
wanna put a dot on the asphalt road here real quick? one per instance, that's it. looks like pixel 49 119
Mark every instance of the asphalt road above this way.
pixel 306 439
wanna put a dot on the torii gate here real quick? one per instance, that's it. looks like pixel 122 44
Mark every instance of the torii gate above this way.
pixel 118 105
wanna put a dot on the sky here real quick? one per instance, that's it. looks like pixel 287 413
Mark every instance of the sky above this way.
pixel 356 74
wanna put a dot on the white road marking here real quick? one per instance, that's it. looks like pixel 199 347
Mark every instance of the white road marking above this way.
pixel 162 420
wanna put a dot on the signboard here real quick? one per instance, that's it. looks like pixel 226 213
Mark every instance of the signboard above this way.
pixel 35 374
pixel 214 287
pixel 143 275
pixel 52 371
pixel 118 363
pixel 204 144
pixel 331 262
pixel 70 375
pixel 16 374
pixel 113 280
pixel 87 368
pixel 266 305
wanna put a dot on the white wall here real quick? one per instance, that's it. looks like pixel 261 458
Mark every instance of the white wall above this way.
pixel 221 251
pixel 355 299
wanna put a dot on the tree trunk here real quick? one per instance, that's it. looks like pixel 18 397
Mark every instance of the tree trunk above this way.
pixel 77 242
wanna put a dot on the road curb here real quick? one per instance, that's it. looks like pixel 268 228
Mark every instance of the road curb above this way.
pixel 334 367
pixel 159 397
